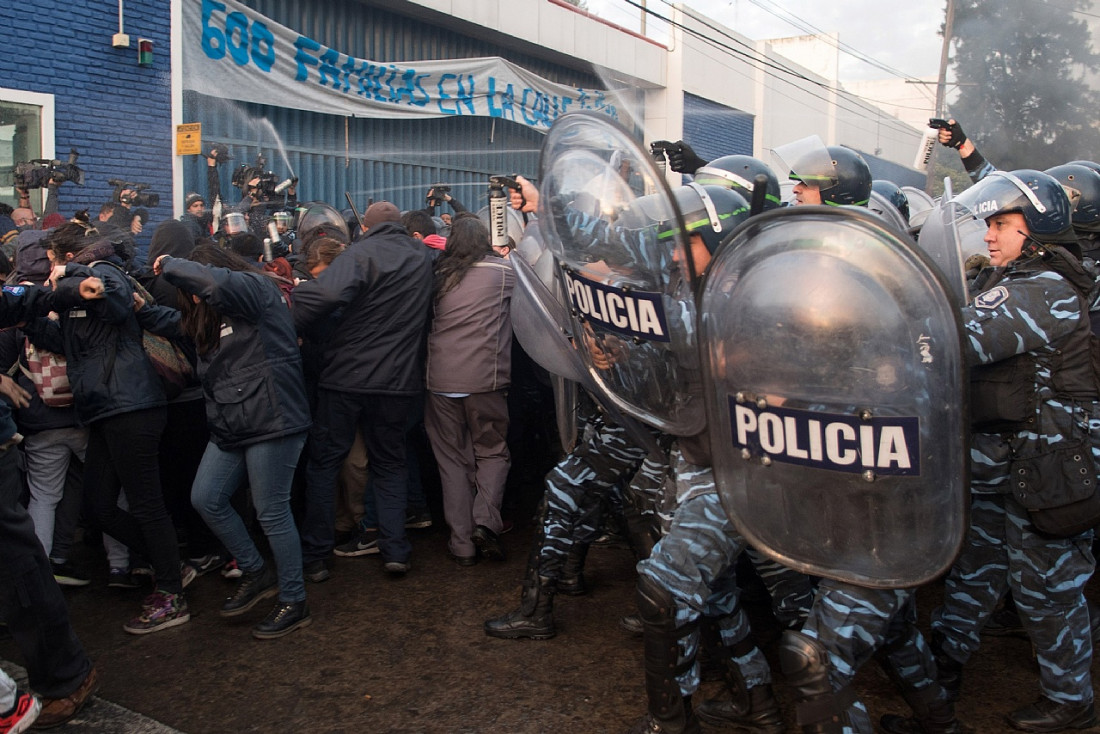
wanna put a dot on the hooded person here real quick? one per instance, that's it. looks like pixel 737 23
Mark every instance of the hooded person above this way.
pixel 171 237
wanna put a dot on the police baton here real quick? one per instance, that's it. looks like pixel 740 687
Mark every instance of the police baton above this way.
pixel 354 211
pixel 759 194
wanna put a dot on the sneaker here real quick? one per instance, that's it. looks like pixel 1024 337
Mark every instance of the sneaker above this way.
pixel 396 569
pixel 66 574
pixel 56 711
pixel 160 610
pixel 187 574
pixel 365 544
pixel 282 620
pixel 253 588
pixel 141 568
pixel 418 519
pixel 231 571
pixel 21 715
pixel 121 578
pixel 316 571
pixel 207 564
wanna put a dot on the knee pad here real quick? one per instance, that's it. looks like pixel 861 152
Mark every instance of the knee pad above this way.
pixel 656 604
pixel 805 663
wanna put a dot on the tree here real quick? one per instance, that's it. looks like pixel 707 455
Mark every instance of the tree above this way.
pixel 1021 66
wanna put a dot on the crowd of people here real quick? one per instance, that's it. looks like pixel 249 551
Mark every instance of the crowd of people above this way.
pixel 286 352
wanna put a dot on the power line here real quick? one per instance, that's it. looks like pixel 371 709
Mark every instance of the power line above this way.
pixel 755 58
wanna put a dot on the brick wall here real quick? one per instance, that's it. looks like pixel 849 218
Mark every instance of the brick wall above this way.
pixel 115 113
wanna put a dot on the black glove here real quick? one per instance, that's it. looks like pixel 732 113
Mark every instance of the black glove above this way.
pixel 681 158
pixel 958 137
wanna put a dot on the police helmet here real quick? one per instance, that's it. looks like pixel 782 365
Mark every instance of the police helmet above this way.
pixel 282 220
pixel 1087 164
pixel 318 218
pixel 234 223
pixel 739 172
pixel 712 212
pixel 893 194
pixel 1086 182
pixel 845 178
pixel 1038 196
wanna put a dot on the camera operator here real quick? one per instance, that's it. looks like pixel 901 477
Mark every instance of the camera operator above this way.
pixel 125 217
pixel 437 195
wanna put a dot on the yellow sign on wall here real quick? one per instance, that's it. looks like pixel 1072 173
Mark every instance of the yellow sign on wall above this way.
pixel 189 138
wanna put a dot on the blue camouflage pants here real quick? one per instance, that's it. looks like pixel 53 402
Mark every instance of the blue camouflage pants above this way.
pixel 1047 577
pixel 852 623
pixel 696 562
pixel 574 488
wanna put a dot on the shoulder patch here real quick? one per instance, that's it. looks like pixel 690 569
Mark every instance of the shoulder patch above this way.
pixel 992 298
pixel 15 290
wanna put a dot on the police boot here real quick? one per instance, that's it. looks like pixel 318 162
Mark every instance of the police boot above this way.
pixel 571 582
pixel 1050 716
pixel 932 713
pixel 535 617
pixel 948 669
pixel 669 711
pixel 751 709
pixel 805 663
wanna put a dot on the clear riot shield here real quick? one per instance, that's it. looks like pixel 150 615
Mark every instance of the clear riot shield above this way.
pixel 887 212
pixel 952 236
pixel 920 204
pixel 544 328
pixel 836 394
pixel 612 223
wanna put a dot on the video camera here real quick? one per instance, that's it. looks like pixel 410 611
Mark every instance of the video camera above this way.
pixel 138 195
pixel 267 186
pixel 437 194
pixel 37 173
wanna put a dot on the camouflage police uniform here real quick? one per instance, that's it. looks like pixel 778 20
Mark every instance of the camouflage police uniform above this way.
pixel 1036 313
pixel 687 592
pixel 569 514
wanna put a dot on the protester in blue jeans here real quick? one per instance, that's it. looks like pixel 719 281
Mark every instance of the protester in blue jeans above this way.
pixel 251 373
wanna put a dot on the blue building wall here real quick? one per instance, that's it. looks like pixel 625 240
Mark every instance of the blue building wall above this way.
pixel 714 130
pixel 116 113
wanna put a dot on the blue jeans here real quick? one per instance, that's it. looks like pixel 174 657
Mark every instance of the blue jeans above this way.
pixel 269 468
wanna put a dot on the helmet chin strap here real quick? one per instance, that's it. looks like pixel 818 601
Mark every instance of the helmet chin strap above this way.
pixel 1034 247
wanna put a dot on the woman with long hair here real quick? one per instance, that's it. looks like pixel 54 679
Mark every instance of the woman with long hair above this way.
pixel 121 400
pixel 469 371
pixel 258 415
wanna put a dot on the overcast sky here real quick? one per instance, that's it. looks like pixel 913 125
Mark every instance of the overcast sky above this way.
pixel 901 35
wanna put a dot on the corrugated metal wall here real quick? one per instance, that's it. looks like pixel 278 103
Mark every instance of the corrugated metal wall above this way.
pixel 372 159
pixel 714 130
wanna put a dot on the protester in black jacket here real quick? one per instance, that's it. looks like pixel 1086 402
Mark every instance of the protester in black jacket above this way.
pixel 258 415
pixel 373 367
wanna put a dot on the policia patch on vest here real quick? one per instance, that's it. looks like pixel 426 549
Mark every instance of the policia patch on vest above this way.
pixel 833 441
pixel 992 298
pixel 633 313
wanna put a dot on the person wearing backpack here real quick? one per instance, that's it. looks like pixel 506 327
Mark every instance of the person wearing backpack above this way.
pixel 120 398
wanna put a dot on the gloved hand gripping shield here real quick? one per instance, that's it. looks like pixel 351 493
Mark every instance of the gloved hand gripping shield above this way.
pixel 614 227
pixel 835 388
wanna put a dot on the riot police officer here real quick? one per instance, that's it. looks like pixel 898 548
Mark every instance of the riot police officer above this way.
pixel 1033 470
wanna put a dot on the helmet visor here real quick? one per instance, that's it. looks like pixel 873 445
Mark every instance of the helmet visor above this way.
pixel 997 193
pixel 808 161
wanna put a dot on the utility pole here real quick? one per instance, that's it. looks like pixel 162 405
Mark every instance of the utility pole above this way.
pixel 941 86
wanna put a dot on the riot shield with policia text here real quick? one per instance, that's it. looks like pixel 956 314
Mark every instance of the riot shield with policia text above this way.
pixel 544 328
pixel 836 394
pixel 613 225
